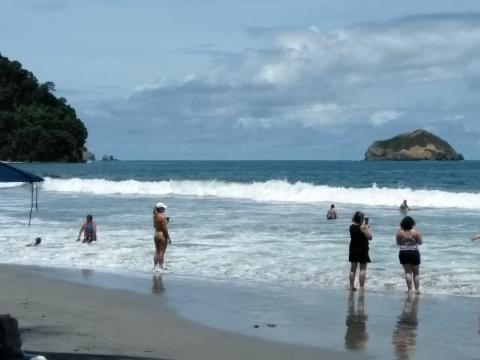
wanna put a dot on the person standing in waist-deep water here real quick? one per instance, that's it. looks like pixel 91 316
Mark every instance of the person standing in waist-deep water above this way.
pixel 360 235
pixel 89 229
pixel 408 239
pixel 404 208
pixel 332 213
pixel 161 237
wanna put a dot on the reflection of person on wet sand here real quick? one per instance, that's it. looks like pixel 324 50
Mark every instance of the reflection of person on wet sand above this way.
pixel 356 336
pixel 157 286
pixel 404 336
pixel 479 323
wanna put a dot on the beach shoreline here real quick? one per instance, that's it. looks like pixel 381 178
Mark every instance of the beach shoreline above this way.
pixel 85 312
pixel 58 316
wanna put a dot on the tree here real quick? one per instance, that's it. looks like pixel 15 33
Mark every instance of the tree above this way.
pixel 34 124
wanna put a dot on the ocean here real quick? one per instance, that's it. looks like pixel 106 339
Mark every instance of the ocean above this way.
pixel 250 222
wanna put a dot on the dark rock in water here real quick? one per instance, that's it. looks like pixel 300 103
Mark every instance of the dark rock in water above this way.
pixel 417 145
pixel 87 155
pixel 108 158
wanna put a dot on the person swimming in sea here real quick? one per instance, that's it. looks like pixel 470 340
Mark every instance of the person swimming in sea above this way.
pixel 89 229
pixel 36 243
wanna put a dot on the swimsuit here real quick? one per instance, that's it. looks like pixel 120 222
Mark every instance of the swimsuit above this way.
pixel 409 253
pixel 158 236
pixel 89 232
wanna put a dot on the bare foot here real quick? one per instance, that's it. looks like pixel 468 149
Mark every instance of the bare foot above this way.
pixel 417 291
pixel 353 289
pixel 362 288
pixel 408 291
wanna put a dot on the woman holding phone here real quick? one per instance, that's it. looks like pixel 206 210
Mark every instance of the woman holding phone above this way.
pixel 360 235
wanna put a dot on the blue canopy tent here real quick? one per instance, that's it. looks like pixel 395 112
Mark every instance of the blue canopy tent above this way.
pixel 9 173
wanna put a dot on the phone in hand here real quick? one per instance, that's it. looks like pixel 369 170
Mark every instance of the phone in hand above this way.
pixel 366 221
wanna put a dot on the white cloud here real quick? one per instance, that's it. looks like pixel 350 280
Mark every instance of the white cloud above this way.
pixel 455 117
pixel 250 123
pixel 380 118
pixel 309 83
pixel 317 115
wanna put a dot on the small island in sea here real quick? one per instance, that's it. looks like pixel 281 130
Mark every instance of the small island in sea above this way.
pixel 417 145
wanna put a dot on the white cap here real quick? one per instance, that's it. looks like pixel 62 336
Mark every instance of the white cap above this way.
pixel 160 205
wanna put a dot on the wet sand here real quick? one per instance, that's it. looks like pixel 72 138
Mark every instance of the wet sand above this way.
pixel 84 312
pixel 61 317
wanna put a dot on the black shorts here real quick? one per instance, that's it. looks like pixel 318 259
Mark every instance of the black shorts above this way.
pixel 410 257
pixel 360 256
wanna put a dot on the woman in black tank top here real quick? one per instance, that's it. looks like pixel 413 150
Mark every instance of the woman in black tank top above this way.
pixel 360 236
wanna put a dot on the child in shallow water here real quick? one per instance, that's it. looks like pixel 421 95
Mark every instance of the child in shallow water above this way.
pixel 89 229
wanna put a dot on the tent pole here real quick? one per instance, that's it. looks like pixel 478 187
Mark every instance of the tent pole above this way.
pixel 31 208
pixel 36 197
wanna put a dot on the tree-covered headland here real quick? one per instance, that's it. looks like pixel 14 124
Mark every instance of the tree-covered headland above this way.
pixel 34 124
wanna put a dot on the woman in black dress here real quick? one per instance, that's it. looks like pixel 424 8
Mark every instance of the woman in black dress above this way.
pixel 360 235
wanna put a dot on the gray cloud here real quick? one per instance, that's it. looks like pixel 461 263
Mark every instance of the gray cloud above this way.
pixel 311 87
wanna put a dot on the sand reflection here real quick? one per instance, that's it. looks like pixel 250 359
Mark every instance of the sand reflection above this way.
pixel 356 337
pixel 404 338
pixel 157 284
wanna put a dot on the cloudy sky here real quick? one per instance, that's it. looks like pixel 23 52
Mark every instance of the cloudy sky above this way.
pixel 254 79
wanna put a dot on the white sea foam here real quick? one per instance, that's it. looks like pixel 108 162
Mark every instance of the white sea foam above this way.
pixel 270 191
pixel 271 232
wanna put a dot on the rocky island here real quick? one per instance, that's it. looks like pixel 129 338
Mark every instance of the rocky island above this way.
pixel 417 145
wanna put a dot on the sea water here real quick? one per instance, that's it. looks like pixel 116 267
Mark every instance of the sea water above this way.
pixel 260 222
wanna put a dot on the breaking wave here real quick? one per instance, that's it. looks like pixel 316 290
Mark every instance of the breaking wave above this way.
pixel 269 191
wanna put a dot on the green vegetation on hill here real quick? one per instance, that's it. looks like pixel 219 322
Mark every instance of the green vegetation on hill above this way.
pixel 417 145
pixel 416 138
pixel 34 124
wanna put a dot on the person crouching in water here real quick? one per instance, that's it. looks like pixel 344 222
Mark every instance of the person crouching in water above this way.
pixel 161 236
pixel 89 229
pixel 332 213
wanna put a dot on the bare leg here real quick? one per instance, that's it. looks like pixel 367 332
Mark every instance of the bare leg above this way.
pixel 416 278
pixel 161 252
pixel 161 257
pixel 351 275
pixel 362 276
pixel 156 256
pixel 408 276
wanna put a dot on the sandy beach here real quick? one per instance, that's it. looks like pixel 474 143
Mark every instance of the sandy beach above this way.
pixel 61 317
pixel 69 315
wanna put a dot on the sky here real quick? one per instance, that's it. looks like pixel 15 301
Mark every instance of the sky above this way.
pixel 254 79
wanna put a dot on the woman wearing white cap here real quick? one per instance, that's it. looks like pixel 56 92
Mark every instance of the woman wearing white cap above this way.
pixel 161 237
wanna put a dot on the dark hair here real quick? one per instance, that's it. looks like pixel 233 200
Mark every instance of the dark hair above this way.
pixel 358 217
pixel 89 217
pixel 407 223
pixel 332 206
